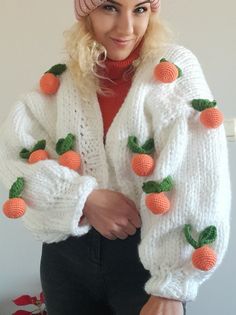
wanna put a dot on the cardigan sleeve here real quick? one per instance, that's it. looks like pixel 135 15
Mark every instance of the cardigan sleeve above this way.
pixel 196 158
pixel 55 195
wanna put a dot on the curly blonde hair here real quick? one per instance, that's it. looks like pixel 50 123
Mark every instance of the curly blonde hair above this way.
pixel 84 53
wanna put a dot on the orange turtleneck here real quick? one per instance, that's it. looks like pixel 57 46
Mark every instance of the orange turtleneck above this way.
pixel 110 105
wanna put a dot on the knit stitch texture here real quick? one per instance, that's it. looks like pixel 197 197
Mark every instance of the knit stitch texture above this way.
pixel 84 7
pixel 194 156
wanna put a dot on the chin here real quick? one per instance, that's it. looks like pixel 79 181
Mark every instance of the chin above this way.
pixel 119 56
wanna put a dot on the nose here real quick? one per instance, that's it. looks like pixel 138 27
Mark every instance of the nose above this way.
pixel 125 25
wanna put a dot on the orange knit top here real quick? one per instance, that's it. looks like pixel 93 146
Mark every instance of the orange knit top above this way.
pixel 118 71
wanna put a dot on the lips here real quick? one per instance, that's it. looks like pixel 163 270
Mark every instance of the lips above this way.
pixel 121 40
pixel 120 44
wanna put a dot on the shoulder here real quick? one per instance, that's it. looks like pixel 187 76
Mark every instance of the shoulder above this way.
pixel 172 96
pixel 40 103
pixel 179 53
pixel 46 88
pixel 174 53
pixel 193 80
pixel 192 76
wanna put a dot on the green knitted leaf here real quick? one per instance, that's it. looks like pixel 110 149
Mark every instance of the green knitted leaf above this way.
pixel 163 60
pixel 17 188
pixel 207 236
pixel 57 69
pixel 148 146
pixel 64 145
pixel 133 145
pixel 69 142
pixel 201 104
pixel 151 187
pixel 154 186
pixel 180 72
pixel 187 232
pixel 40 145
pixel 166 184
pixel 59 145
pixel 24 154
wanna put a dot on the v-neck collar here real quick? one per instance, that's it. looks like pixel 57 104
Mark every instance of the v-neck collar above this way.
pixel 97 110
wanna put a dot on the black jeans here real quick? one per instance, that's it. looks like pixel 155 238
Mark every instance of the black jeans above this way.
pixel 91 275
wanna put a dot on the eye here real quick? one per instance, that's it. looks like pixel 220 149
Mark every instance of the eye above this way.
pixel 143 10
pixel 109 7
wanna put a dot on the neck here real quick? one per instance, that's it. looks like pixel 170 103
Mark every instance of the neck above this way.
pixel 115 69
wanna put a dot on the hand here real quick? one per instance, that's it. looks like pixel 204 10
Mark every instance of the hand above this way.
pixel 112 214
pixel 161 306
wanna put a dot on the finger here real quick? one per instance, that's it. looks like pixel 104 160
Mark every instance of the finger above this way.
pixel 122 235
pixel 130 229
pixel 111 237
pixel 131 203
pixel 135 217
pixel 134 209
pixel 135 220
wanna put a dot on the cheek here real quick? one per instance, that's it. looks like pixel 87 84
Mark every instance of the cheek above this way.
pixel 101 27
pixel 98 34
pixel 142 26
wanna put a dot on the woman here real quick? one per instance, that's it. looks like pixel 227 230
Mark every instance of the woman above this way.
pixel 153 179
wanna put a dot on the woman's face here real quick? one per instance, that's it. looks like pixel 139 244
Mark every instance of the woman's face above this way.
pixel 125 20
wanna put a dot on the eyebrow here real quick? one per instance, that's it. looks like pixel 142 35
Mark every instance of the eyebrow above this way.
pixel 112 1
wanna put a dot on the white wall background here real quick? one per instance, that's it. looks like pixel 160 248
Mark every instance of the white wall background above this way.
pixel 31 41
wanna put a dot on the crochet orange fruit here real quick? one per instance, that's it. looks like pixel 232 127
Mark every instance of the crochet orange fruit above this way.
pixel 50 82
pixel 141 163
pixel 210 117
pixel 15 206
pixel 156 200
pixel 38 153
pixel 158 203
pixel 204 257
pixel 68 157
pixel 166 71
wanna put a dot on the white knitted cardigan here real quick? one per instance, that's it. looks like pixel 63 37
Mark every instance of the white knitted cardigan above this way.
pixel 194 156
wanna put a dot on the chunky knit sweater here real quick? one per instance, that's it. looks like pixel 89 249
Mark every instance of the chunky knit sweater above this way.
pixel 194 156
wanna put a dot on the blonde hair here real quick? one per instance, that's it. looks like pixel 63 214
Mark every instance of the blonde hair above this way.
pixel 84 53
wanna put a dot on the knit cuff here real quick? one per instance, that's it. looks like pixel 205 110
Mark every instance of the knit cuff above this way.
pixel 80 228
pixel 176 286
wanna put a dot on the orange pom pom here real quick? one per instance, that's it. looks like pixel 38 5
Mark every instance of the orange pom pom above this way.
pixel 14 208
pixel 166 72
pixel 158 203
pixel 49 83
pixel 211 117
pixel 70 159
pixel 204 258
pixel 142 164
pixel 38 155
